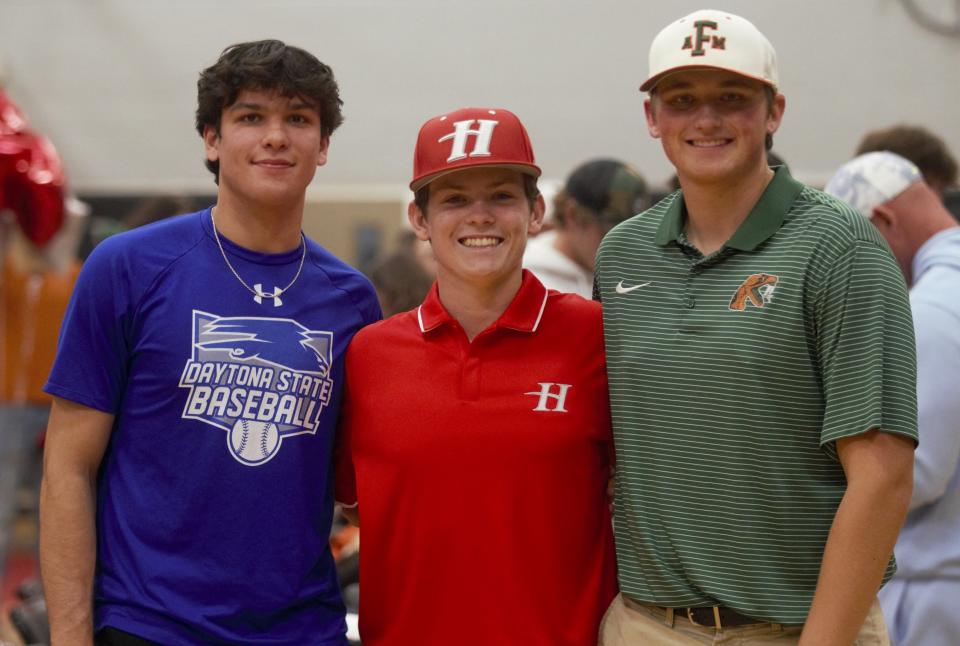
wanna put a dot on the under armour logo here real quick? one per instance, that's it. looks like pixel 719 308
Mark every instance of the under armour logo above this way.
pixel 546 394
pixel 481 145
pixel 696 43
pixel 260 295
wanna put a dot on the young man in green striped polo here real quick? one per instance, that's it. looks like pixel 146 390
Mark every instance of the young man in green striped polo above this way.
pixel 762 375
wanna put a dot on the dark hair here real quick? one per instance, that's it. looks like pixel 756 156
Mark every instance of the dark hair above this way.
pixel 422 196
pixel 605 190
pixel 770 94
pixel 269 65
pixel 919 145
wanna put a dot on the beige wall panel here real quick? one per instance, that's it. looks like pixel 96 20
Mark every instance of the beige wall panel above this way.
pixel 336 224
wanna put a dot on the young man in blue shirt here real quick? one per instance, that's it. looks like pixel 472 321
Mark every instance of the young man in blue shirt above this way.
pixel 186 495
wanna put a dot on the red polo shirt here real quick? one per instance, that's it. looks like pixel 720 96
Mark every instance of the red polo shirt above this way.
pixel 481 471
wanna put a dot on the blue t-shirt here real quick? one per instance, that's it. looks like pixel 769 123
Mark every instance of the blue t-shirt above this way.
pixel 214 496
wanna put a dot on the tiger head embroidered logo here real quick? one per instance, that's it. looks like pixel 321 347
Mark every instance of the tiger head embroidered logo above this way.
pixel 758 289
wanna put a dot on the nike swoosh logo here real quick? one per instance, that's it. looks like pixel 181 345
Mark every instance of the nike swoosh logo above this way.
pixel 626 290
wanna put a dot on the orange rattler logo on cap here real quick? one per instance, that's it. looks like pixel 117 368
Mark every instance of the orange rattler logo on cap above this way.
pixel 758 289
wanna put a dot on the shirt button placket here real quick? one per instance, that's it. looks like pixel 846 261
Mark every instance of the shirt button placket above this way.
pixel 470 376
pixel 688 299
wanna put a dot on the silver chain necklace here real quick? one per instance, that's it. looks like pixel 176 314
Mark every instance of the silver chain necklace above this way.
pixel 256 292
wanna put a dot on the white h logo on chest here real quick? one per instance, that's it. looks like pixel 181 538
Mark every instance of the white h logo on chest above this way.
pixel 546 394
pixel 461 130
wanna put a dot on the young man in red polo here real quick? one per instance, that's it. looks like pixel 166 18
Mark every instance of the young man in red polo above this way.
pixel 475 439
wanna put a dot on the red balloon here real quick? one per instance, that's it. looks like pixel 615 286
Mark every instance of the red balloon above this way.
pixel 31 176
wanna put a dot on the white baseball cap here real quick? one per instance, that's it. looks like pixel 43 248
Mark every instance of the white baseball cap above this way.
pixel 711 39
pixel 872 179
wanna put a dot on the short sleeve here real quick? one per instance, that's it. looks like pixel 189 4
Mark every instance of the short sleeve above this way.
pixel 865 346
pixel 90 367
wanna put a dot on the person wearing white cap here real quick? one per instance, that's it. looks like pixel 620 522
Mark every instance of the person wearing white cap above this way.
pixel 761 366
pixel 919 604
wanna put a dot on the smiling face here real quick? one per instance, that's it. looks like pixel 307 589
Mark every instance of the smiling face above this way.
pixel 269 147
pixel 713 124
pixel 477 221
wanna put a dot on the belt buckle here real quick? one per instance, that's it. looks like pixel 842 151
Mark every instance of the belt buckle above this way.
pixel 718 625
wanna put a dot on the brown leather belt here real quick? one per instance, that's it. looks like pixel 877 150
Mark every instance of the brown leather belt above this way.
pixel 717 617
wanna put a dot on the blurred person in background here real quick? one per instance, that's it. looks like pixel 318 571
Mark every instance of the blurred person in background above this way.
pixel 35 286
pixel 145 210
pixel 920 146
pixel 403 276
pixel 408 243
pixel 598 195
pixel 920 602
pixel 38 241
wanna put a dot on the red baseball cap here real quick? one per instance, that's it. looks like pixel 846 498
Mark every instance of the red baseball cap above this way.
pixel 471 137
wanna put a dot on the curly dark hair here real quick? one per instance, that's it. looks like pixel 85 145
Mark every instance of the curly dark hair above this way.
pixel 269 65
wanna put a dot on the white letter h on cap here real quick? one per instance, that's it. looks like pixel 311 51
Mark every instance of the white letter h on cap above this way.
pixel 481 145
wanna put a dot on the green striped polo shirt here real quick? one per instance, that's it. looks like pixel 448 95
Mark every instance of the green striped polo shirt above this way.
pixel 731 376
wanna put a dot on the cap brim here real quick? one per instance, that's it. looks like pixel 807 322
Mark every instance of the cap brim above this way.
pixel 526 169
pixel 652 82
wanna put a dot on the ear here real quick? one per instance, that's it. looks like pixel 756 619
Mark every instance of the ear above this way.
pixel 887 222
pixel 418 221
pixel 884 218
pixel 324 148
pixel 536 216
pixel 211 142
pixel 652 127
pixel 775 116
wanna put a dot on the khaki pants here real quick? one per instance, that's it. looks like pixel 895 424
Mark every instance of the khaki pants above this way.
pixel 632 624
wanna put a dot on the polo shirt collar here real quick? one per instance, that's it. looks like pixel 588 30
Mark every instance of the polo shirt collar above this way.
pixel 763 221
pixel 523 314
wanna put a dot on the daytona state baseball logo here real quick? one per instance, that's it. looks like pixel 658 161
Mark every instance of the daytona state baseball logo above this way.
pixel 262 380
